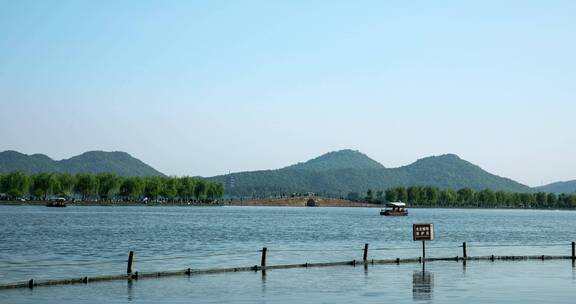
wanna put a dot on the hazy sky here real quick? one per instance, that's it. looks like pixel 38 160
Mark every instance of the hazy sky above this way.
pixel 207 87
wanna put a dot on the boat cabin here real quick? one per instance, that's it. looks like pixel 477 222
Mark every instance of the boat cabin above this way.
pixel 394 209
pixel 57 202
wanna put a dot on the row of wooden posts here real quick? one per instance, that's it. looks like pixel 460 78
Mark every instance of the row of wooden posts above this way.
pixel 364 257
pixel 130 274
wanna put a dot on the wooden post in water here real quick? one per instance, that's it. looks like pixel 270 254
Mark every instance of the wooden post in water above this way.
pixel 263 261
pixel 464 253
pixel 365 252
pixel 573 250
pixel 130 260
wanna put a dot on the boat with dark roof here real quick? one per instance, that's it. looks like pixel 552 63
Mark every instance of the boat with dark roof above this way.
pixel 57 202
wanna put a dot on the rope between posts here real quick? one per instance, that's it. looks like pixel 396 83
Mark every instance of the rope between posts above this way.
pixel 313 250
pixel 469 245
pixel 511 245
pixel 145 259
pixel 61 264
pixel 413 248
pixel 196 256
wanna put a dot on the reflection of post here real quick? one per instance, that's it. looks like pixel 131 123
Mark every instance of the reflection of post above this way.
pixel 573 270
pixel 130 290
pixel 422 285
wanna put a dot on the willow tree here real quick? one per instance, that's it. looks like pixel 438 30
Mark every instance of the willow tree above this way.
pixel 186 187
pixel 552 200
pixel 43 185
pixel 465 196
pixel 132 188
pixel 200 189
pixel 86 185
pixel 65 184
pixel 15 184
pixel 414 194
pixel 402 194
pixel 152 186
pixel 447 197
pixel 219 190
pixel 108 185
pixel 170 187
pixel 214 191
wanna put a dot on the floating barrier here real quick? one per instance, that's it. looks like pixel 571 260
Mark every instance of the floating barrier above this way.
pixel 263 267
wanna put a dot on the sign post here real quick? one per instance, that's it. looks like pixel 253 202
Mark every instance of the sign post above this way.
pixel 423 251
pixel 423 232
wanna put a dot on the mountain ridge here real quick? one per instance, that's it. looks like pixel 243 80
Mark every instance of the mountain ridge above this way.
pixel 444 171
pixel 118 162
pixel 335 173
pixel 559 187
pixel 341 159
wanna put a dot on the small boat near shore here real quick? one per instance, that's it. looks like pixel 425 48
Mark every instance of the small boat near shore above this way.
pixel 58 202
pixel 394 209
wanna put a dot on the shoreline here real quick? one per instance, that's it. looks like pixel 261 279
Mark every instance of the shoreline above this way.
pixel 272 202
pixel 108 204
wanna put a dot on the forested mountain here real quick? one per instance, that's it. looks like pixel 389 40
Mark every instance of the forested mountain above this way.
pixel 335 173
pixel 344 159
pixel 559 187
pixel 341 172
pixel 450 171
pixel 119 163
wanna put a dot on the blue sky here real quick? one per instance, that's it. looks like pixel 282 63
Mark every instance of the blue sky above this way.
pixel 203 88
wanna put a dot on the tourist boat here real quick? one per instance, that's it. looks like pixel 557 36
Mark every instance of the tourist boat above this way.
pixel 394 209
pixel 58 202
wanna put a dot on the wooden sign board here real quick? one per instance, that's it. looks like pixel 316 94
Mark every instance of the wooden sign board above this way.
pixel 423 232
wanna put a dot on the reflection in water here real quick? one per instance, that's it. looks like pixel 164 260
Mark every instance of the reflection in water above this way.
pixel 263 276
pixel 130 289
pixel 422 285
pixel 573 270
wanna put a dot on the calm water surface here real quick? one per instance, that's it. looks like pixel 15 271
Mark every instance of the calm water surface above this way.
pixel 38 242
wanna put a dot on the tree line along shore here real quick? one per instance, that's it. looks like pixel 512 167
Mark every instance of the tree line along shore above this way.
pixel 418 196
pixel 107 187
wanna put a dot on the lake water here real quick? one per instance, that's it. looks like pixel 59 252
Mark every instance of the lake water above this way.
pixel 41 243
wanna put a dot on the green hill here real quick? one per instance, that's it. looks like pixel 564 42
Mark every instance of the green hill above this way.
pixel 343 159
pixel 559 187
pixel 450 171
pixel 340 172
pixel 120 163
